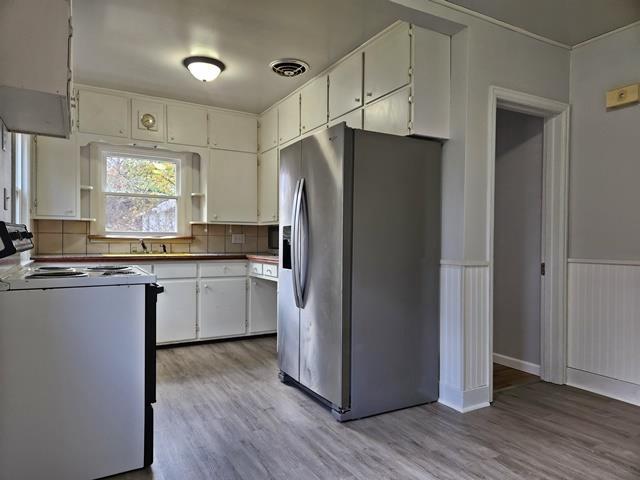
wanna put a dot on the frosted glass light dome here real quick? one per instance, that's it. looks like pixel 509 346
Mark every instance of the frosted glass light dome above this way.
pixel 205 69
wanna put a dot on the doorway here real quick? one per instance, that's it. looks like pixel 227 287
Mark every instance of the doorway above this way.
pixel 555 146
pixel 518 249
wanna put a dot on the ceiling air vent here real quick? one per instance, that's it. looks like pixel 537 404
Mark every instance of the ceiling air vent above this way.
pixel 289 67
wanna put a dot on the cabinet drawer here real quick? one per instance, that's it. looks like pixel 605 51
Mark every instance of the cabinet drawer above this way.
pixel 270 270
pixel 255 268
pixel 223 269
pixel 176 270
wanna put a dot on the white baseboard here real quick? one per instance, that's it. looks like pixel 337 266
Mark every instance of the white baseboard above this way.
pixel 464 401
pixel 609 387
pixel 521 365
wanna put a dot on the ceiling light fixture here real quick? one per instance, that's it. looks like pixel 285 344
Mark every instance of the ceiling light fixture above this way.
pixel 205 69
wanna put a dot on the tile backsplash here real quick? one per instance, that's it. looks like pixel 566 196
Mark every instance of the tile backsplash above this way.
pixel 70 237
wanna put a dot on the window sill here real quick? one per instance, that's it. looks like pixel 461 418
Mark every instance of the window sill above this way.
pixel 135 238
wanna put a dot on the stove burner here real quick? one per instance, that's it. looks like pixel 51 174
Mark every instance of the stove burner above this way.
pixel 57 274
pixel 55 269
pixel 108 268
pixel 118 272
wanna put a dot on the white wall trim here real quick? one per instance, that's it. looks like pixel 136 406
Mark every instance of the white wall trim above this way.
pixel 465 263
pixel 607 34
pixel 609 387
pixel 500 23
pixel 463 401
pixel 556 162
pixel 516 363
pixel 598 261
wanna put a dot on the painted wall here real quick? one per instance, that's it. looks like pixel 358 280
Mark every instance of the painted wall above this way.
pixel 605 167
pixel 518 233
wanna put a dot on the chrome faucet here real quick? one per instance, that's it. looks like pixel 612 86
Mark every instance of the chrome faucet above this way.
pixel 144 246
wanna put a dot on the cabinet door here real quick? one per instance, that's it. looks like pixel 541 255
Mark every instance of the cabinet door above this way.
pixel 230 131
pixel 268 131
pixel 289 118
pixel 148 120
pixel 313 105
pixel 223 309
pixel 103 113
pixel 390 115
pixel 6 174
pixel 353 119
pixel 387 63
pixel 262 305
pixel 176 311
pixel 345 86
pixel 232 187
pixel 268 187
pixel 57 177
pixel 186 125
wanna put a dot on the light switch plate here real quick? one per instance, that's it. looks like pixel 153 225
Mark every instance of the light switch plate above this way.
pixel 237 238
pixel 623 96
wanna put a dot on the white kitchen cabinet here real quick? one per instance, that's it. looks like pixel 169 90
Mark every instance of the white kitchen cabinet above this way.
pixel 35 66
pixel 313 104
pixel 232 131
pixel 57 177
pixel 186 125
pixel 353 119
pixel 232 180
pixel 176 311
pixel 103 113
pixel 268 130
pixel 391 114
pixel 268 187
pixel 345 86
pixel 148 120
pixel 387 63
pixel 262 306
pixel 289 119
pixel 223 309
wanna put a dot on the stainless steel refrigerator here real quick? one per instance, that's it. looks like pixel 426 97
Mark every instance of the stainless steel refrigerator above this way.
pixel 359 270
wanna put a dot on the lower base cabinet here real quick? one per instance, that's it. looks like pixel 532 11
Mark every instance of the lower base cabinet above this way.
pixel 223 309
pixel 262 305
pixel 176 311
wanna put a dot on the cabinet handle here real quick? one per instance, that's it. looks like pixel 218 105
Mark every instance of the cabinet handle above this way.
pixel 121 132
pixel 172 138
pixel 6 197
pixel 369 94
pixel 357 100
pixel 303 127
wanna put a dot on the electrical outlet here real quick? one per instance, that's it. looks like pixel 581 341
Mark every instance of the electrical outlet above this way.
pixel 237 238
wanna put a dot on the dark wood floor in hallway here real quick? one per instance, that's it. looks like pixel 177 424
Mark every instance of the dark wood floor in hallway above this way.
pixel 223 414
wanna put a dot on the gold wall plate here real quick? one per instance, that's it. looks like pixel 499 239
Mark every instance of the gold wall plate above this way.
pixel 623 96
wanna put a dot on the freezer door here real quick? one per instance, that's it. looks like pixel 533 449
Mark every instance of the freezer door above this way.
pixel 325 237
pixel 288 312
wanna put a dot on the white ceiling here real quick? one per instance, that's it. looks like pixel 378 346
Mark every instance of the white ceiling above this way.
pixel 566 21
pixel 139 45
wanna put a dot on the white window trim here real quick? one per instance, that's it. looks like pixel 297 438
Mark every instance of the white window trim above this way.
pixel 184 160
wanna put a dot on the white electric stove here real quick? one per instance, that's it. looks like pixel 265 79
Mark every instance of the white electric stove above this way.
pixel 77 376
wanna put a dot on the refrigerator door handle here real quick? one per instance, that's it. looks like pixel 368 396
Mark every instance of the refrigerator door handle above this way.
pixel 294 245
pixel 303 246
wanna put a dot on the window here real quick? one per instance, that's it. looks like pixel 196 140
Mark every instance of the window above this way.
pixel 141 192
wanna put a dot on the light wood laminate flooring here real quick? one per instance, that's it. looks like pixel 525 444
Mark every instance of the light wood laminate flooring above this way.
pixel 222 413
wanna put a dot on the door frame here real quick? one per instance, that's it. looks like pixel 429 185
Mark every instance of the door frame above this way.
pixel 553 322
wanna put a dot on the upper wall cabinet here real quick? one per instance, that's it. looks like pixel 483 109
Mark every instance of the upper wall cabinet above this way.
pixel 352 119
pixel 268 130
pixel 391 114
pixel 186 125
pixel 35 66
pixel 232 185
pixel 289 119
pixel 345 86
pixel 148 120
pixel 103 113
pixel 232 131
pixel 313 104
pixel 268 187
pixel 57 177
pixel 387 63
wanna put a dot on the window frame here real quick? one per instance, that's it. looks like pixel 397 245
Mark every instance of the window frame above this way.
pixel 99 153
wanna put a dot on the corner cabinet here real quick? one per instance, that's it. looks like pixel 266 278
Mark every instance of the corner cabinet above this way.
pixel 232 181
pixel 56 178
pixel 268 187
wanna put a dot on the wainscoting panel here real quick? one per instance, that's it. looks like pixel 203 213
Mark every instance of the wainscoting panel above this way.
pixel 464 336
pixel 604 319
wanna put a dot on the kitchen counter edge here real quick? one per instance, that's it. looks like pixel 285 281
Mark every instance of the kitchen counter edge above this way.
pixel 153 258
